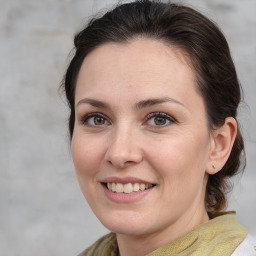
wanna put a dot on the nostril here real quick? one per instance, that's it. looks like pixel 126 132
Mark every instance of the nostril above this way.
pixel 128 162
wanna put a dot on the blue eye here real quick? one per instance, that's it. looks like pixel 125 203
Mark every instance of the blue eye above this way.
pixel 159 119
pixel 95 119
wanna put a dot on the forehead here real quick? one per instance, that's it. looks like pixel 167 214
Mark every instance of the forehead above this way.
pixel 144 65
pixel 141 52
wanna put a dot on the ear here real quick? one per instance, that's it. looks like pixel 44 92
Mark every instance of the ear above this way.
pixel 221 145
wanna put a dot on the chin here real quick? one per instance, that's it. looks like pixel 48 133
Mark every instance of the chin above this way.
pixel 126 224
pixel 128 230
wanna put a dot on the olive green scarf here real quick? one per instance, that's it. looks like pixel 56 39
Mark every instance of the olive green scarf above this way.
pixel 217 237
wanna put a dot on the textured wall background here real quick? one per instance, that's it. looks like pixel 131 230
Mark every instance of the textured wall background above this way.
pixel 42 211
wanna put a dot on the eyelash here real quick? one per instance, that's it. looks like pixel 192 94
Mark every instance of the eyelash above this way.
pixel 161 115
pixel 85 119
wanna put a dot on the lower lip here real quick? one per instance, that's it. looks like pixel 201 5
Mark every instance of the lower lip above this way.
pixel 126 197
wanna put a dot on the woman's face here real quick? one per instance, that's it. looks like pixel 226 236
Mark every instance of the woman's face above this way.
pixel 141 145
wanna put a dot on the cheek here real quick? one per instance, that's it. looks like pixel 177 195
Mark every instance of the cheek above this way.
pixel 87 155
pixel 182 157
pixel 180 166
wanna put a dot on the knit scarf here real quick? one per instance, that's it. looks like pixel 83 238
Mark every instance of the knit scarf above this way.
pixel 218 237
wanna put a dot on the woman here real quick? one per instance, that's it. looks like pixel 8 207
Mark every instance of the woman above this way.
pixel 153 96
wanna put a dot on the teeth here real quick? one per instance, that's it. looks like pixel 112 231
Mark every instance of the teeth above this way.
pixel 119 188
pixel 128 188
pixel 142 186
pixel 136 187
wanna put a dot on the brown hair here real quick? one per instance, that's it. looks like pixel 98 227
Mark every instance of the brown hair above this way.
pixel 209 53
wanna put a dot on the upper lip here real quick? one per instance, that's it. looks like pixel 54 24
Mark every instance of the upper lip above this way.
pixel 125 180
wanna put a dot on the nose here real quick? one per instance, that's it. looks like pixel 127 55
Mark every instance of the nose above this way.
pixel 123 149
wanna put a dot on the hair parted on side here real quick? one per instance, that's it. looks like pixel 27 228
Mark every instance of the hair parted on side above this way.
pixel 208 50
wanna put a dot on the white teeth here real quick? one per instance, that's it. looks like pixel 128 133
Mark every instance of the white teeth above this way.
pixel 136 187
pixel 128 187
pixel 119 188
pixel 142 186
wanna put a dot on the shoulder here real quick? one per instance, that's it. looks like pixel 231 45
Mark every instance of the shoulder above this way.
pixel 246 248
pixel 106 245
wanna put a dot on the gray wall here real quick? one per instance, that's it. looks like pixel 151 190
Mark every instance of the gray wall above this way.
pixel 42 211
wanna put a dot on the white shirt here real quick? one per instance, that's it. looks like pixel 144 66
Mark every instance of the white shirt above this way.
pixel 246 248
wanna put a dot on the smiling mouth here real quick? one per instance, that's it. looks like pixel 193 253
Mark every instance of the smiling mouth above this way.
pixel 128 187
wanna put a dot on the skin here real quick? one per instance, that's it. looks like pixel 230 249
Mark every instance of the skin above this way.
pixel 177 155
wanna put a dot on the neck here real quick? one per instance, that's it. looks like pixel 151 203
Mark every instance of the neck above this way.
pixel 140 245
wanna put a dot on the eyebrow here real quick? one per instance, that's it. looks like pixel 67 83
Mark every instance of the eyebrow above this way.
pixel 139 105
pixel 155 101
pixel 94 103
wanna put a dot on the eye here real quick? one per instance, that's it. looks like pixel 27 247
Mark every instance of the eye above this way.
pixel 94 119
pixel 159 119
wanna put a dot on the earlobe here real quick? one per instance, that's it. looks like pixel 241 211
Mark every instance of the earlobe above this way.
pixel 222 142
